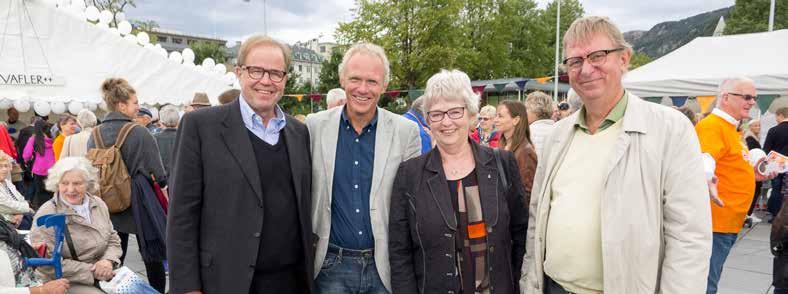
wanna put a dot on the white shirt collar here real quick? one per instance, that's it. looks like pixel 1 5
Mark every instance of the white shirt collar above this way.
pixel 543 122
pixel 724 115
pixel 82 210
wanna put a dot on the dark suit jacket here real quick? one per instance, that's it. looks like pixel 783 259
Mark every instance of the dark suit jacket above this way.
pixel 216 210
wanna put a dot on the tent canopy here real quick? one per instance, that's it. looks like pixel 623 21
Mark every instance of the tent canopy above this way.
pixel 696 69
pixel 74 56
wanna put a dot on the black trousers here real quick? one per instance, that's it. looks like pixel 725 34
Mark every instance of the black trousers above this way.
pixel 40 193
pixel 157 278
pixel 551 287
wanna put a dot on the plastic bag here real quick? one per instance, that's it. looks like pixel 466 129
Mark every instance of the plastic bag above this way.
pixel 126 281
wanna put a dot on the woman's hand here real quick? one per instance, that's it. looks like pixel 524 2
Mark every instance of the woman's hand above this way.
pixel 102 270
pixel 51 287
pixel 17 220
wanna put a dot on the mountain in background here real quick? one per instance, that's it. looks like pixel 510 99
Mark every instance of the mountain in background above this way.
pixel 667 36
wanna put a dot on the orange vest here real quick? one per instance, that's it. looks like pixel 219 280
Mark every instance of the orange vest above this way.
pixel 736 185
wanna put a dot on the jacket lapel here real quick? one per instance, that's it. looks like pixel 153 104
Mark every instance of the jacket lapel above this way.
pixel 236 138
pixel 487 177
pixel 384 134
pixel 439 189
pixel 330 137
pixel 632 122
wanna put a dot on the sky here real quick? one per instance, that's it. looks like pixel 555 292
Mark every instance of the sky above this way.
pixel 301 20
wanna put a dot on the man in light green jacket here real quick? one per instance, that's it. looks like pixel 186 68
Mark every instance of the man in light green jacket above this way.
pixel 620 203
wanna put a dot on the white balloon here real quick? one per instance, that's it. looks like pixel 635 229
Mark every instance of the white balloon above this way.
pixel 80 4
pixel 6 103
pixel 92 13
pixel 158 45
pixel 199 68
pixel 120 16
pixel 131 38
pixel 114 31
pixel 149 46
pixel 74 107
pixel 189 64
pixel 105 17
pixel 176 57
pixel 92 106
pixel 52 3
pixel 124 27
pixel 58 107
pixel 22 105
pixel 103 106
pixel 42 108
pixel 209 63
pixel 161 51
pixel 220 68
pixel 143 38
pixel 104 26
pixel 188 55
pixel 61 3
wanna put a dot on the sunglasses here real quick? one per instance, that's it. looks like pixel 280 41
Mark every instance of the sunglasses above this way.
pixel 746 97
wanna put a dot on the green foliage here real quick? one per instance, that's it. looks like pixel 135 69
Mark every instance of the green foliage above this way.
pixel 484 38
pixel 638 60
pixel 204 50
pixel 145 26
pixel 750 16
pixel 329 76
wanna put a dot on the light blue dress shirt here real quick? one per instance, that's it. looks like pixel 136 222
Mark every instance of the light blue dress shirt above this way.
pixel 254 123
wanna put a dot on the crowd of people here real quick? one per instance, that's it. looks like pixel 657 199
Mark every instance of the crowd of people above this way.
pixel 604 192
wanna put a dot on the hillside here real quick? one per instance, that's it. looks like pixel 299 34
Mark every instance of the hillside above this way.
pixel 667 36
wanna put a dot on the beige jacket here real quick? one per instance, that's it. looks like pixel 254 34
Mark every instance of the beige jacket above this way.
pixel 93 241
pixel 77 144
pixel 656 218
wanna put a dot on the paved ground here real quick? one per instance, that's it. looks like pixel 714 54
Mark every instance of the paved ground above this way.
pixel 748 269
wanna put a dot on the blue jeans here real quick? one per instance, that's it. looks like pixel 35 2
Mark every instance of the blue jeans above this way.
pixel 721 247
pixel 349 271
pixel 780 290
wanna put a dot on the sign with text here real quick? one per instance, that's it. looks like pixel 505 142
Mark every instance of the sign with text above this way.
pixel 23 79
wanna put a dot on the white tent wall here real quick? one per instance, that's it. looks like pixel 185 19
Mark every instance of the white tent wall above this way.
pixel 696 69
pixel 84 55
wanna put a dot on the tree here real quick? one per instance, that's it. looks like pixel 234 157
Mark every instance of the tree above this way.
pixel 145 26
pixel 204 50
pixel 750 16
pixel 638 60
pixel 113 6
pixel 329 75
pixel 570 11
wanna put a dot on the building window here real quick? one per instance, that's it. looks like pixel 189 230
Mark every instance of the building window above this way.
pixel 162 39
pixel 300 68
pixel 177 40
pixel 322 49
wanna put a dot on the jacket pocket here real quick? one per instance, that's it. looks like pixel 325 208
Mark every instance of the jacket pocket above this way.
pixel 330 261
pixel 205 259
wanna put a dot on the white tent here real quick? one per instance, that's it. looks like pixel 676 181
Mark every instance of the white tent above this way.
pixel 54 55
pixel 696 69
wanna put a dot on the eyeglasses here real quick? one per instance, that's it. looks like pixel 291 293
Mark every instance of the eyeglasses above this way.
pixel 482 118
pixel 563 106
pixel 595 58
pixel 256 73
pixel 453 113
pixel 746 97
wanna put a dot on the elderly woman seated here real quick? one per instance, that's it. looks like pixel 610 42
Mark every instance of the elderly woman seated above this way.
pixel 12 204
pixel 96 244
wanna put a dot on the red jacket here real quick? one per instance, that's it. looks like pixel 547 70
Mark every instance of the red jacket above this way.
pixel 491 142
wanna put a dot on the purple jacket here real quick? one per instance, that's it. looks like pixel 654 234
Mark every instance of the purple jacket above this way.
pixel 43 163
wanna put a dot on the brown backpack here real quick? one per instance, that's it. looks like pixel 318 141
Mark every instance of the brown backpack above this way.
pixel 114 180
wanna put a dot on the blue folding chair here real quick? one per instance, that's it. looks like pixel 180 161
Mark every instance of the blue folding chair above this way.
pixel 58 221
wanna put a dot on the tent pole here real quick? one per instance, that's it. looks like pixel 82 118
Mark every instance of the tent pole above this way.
pixel 557 46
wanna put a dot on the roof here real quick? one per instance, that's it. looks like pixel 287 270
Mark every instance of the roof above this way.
pixel 305 55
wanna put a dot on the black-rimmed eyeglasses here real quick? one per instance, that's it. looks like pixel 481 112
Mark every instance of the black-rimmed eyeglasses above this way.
pixel 256 73
pixel 746 97
pixel 453 113
pixel 595 58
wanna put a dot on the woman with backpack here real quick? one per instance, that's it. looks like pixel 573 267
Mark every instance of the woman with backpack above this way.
pixel 140 155
pixel 39 150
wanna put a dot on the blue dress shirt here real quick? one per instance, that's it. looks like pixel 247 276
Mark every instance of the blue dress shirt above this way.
pixel 351 226
pixel 254 123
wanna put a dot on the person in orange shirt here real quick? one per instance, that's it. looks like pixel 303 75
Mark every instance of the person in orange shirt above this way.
pixel 67 126
pixel 734 176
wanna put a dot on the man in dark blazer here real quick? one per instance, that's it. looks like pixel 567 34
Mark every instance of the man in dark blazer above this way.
pixel 239 220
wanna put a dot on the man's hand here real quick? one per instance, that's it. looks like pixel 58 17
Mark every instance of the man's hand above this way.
pixel 715 197
pixel 51 287
pixel 763 177
pixel 102 270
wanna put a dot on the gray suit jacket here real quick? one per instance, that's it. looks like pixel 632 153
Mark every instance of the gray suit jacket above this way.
pixel 397 140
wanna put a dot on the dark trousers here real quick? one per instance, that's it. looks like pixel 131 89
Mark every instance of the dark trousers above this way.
pixel 282 281
pixel 776 198
pixel 551 287
pixel 40 193
pixel 157 278
pixel 755 197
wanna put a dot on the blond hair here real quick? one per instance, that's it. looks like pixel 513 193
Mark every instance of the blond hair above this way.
pixel 261 40
pixel 584 28
pixel 115 91
pixel 540 104
pixel 5 158
pixel 369 49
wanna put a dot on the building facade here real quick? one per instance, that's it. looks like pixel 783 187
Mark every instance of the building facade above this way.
pixel 177 41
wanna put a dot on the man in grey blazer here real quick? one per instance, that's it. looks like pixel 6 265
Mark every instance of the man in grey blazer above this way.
pixel 356 151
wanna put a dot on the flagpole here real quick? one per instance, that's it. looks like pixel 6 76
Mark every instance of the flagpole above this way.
pixel 771 17
pixel 557 46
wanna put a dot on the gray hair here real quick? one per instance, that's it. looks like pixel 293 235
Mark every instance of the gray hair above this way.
pixel 574 101
pixel 727 85
pixel 451 85
pixel 335 95
pixel 370 49
pixel 72 163
pixel 488 109
pixel 418 104
pixel 86 119
pixel 169 117
pixel 540 104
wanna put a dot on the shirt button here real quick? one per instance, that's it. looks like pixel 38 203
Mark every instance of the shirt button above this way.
pixel 355 186
pixel 257 235
pixel 356 140
pixel 358 210
pixel 356 162
pixel 360 233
